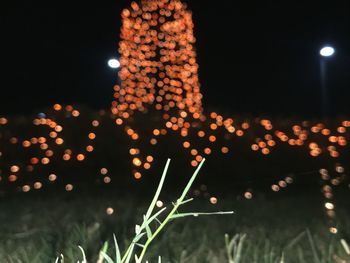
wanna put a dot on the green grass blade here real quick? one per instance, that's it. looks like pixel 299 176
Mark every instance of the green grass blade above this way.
pixel 103 250
pixel 313 247
pixel 117 251
pixel 106 257
pixel 186 201
pixel 130 253
pixel 159 189
pixel 154 217
pixel 148 229
pixel 195 214
pixel 294 240
pixel 83 252
pixel 345 246
pixel 239 248
pixel 190 182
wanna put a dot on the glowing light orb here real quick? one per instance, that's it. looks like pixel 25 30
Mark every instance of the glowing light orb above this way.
pixel 213 200
pixel 109 211
pixel 329 206
pixel 113 63
pixel 327 51
pixel 159 203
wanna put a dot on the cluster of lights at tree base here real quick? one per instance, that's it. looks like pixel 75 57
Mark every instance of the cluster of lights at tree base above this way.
pixel 159 97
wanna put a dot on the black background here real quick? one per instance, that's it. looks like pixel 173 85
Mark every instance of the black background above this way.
pixel 258 58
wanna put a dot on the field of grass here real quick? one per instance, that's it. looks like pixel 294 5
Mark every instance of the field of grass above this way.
pixel 41 217
pixel 36 228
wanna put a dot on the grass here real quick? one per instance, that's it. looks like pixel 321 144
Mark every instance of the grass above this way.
pixel 144 230
pixel 290 228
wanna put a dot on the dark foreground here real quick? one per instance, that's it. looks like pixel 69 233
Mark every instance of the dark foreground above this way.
pixel 39 228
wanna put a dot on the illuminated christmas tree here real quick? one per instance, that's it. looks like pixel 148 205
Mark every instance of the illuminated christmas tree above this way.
pixel 158 60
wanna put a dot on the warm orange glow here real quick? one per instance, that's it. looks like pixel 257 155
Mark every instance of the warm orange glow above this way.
pixel 186 144
pixel 92 136
pixel 207 151
pixel 107 180
pixel 239 133
pixel 52 177
pixel 45 160
pixel 325 132
pixel 137 175
pixel 104 171
pixel 69 187
pixel 13 140
pixel 57 107
pixel 58 128
pixel 224 150
pixel 49 153
pixel 12 178
pixel 201 134
pixel 212 138
pixel 3 121
pixel 213 200
pixel 43 146
pixel 109 211
pixel 135 136
pixel 59 141
pixel 248 195
pixel 130 131
pixel 80 157
pixel 199 158
pixel 75 113
pixel 275 188
pixel 38 185
pixel 53 134
pixel 95 123
pixel 255 147
pixel 153 141
pixel 66 157
pixel 34 160
pixel 89 148
pixel 14 169
pixel 156 132
pixel 137 162
pixel 119 121
pixel 245 125
pixel 262 144
pixel 26 144
pixel 265 151
pixel 213 126
pixel 133 151
pixel 271 143
pixel 26 188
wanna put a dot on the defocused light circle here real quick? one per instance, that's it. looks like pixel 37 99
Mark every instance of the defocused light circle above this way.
pixel 327 51
pixel 113 63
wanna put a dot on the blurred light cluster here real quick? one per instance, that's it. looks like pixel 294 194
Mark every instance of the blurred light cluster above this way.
pixel 159 99
pixel 41 153
pixel 330 180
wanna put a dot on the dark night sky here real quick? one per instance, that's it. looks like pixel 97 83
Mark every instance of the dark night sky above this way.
pixel 256 58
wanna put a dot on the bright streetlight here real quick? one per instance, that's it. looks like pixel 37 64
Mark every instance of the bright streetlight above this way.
pixel 113 63
pixel 327 51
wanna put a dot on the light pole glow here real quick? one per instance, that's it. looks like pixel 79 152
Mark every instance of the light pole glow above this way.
pixel 113 63
pixel 327 51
